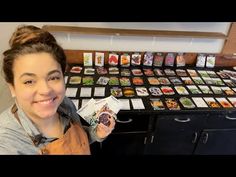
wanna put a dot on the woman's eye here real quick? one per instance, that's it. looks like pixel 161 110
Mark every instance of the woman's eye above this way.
pixel 28 82
pixel 54 78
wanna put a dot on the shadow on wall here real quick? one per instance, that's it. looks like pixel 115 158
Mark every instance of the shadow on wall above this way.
pixel 5 96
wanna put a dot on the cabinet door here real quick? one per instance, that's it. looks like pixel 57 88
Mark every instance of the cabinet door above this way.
pixel 217 142
pixel 175 134
pixel 124 144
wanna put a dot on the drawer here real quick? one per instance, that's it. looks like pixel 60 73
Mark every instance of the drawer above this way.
pixel 226 120
pixel 131 123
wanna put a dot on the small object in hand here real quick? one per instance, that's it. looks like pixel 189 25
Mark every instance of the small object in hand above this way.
pixel 104 118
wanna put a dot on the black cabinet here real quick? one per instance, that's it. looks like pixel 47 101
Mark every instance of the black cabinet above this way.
pixel 129 136
pixel 219 137
pixel 217 142
pixel 175 134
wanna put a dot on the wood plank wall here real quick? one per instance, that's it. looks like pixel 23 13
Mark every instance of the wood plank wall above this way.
pixel 76 56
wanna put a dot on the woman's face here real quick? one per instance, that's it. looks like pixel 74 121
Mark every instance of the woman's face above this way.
pixel 38 85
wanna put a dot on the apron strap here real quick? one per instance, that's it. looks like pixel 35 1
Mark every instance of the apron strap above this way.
pixel 14 110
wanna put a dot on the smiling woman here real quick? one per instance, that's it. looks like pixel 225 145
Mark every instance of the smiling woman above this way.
pixel 42 120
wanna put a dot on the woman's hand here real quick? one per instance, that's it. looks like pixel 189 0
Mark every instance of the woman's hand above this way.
pixel 103 131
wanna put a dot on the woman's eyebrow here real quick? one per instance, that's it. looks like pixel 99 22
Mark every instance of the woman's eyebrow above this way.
pixel 54 71
pixel 33 75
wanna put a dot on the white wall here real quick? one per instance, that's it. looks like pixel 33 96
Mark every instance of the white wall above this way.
pixel 118 43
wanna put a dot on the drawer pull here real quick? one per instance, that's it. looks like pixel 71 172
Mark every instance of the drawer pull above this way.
pixel 182 120
pixel 124 121
pixel 230 118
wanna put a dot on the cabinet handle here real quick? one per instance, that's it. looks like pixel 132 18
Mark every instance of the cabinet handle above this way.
pixel 145 140
pixel 230 118
pixel 152 138
pixel 195 138
pixel 124 121
pixel 182 120
pixel 205 138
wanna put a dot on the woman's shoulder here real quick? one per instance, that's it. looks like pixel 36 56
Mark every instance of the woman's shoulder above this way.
pixel 6 117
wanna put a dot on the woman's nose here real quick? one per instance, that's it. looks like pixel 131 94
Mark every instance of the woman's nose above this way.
pixel 44 88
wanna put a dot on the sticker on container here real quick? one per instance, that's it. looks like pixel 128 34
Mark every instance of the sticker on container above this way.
pixel 224 103
pixel 198 80
pixel 125 60
pixel 125 104
pixel 76 69
pixel 164 81
pixel 167 90
pixel 170 59
pixel 141 91
pixel 181 90
pixel 75 80
pixel 201 60
pixel 172 104
pixel 193 89
pixel 158 59
pixel 137 81
pixel 157 104
pixel 229 82
pixel 116 92
pixel 88 80
pixel 88 59
pixel 125 72
pixel 227 91
pixel 101 70
pixel 124 81
pixel 181 72
pixel 232 100
pixel 217 81
pixel 210 61
pixel 180 61
pixel 113 70
pixel 175 80
pixel 159 72
pixel 99 91
pixel 113 81
pixel 113 59
pixel 200 103
pixel 135 59
pixel 85 92
pixel 99 59
pixel 155 91
pixel 212 74
pixel 187 80
pixel 137 72
pixel 205 89
pixel 211 102
pixel 153 81
pixel 148 59
pixel 203 73
pixel 187 103
pixel 128 91
pixel 137 103
pixel 89 71
pixel 169 72
pixel 102 80
pixel 148 72
pixel 71 92
pixel 192 73
pixel 216 90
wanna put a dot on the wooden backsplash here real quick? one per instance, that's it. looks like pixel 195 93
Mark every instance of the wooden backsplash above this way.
pixel 76 56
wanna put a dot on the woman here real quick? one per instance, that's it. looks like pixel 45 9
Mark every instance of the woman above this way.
pixel 42 120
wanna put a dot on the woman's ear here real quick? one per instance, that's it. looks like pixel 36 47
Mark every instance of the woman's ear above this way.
pixel 12 89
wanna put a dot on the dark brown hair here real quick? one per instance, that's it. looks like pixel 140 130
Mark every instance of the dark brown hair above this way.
pixel 28 40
